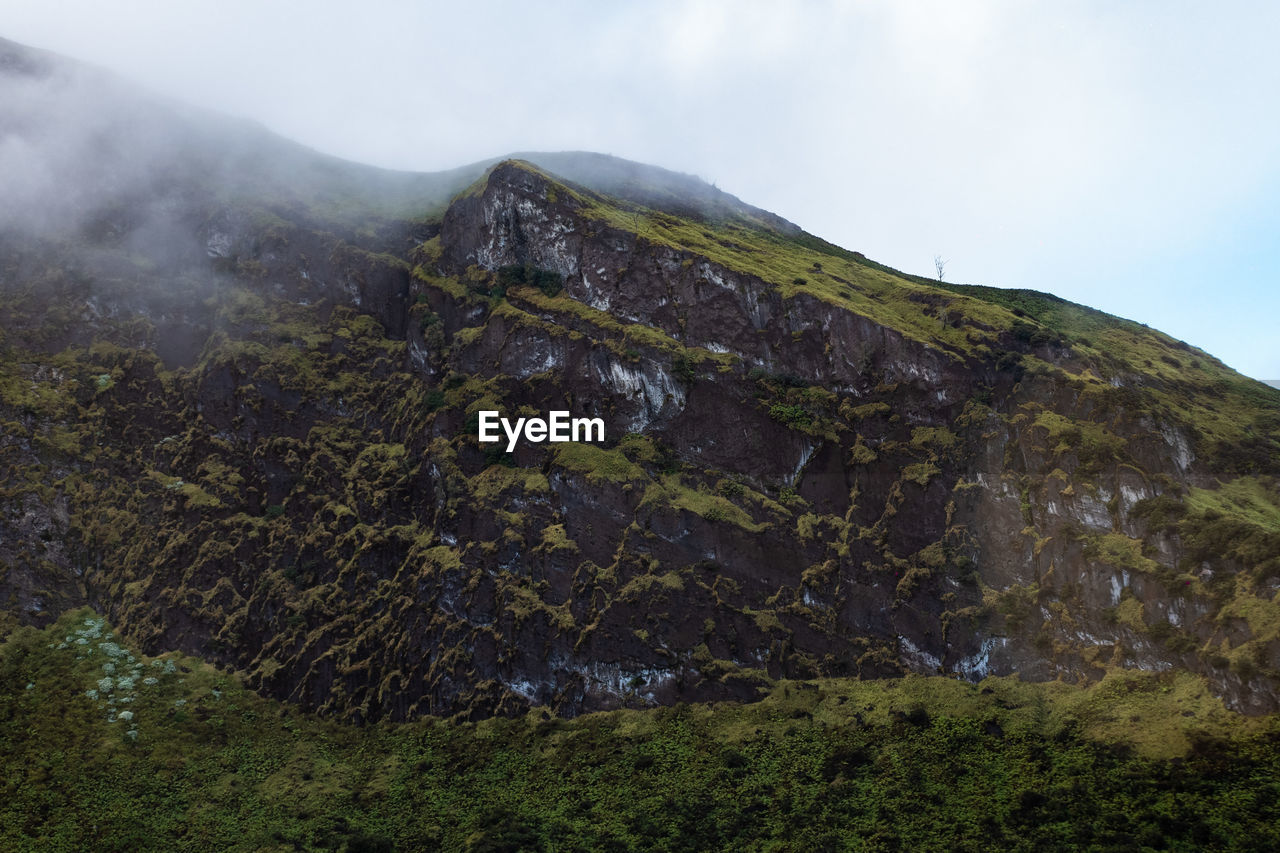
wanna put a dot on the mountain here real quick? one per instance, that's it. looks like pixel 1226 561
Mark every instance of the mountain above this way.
pixel 240 393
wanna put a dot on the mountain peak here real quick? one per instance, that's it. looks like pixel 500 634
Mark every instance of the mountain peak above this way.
pixel 654 187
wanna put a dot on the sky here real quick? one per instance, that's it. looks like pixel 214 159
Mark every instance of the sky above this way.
pixel 1121 155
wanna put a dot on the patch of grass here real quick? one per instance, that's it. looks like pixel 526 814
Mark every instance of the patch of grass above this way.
pixel 1120 551
pixel 921 473
pixel 1092 442
pixel 672 492
pixel 490 483
pixel 597 463
pixel 627 335
pixel 1254 500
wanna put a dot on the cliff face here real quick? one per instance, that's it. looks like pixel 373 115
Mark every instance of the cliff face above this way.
pixel 925 474
pixel 254 440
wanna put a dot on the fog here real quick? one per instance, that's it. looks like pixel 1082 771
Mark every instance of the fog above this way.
pixel 61 152
pixel 1124 157
pixel 81 146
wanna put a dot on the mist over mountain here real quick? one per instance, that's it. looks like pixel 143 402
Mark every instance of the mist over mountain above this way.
pixel 240 389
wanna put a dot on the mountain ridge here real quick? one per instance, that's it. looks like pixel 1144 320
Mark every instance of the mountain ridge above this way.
pixel 1076 503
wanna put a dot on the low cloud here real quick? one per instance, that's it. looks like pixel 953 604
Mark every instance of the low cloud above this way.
pixel 1037 147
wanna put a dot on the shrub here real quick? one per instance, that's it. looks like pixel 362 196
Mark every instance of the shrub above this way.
pixel 1010 362
pixel 549 282
pixel 1022 331
pixel 729 488
pixel 682 367
pixel 791 415
pixel 1043 337
pixel 1160 512
pixel 789 380
pixel 499 456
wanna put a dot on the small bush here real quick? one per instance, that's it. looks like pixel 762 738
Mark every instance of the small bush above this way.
pixel 729 489
pixel 789 380
pixel 1043 337
pixel 791 415
pixel 1010 362
pixel 683 368
pixel 499 456
pixel 1160 512
pixel 549 282
pixel 1022 331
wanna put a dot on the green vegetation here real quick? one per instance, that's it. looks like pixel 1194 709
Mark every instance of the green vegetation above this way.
pixel 1138 761
pixel 1237 522
pixel 791 415
pixel 1250 499
pixel 621 337
pixel 597 463
pixel 671 492
pixel 548 281
pixel 1235 417
pixel 1119 551
pixel 1091 443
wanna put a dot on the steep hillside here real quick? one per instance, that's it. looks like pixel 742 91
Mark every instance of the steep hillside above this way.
pixel 239 397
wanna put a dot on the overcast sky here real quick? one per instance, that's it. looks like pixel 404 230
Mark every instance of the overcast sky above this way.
pixel 1126 156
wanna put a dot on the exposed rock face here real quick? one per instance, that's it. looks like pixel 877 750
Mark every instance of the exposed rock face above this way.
pixel 977 505
pixel 794 483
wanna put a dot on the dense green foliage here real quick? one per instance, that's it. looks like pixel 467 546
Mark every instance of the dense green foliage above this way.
pixel 549 282
pixel 920 764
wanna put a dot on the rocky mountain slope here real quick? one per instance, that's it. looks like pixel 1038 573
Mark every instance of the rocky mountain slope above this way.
pixel 239 395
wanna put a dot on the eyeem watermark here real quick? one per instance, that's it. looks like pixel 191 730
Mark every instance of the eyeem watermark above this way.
pixel 556 426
